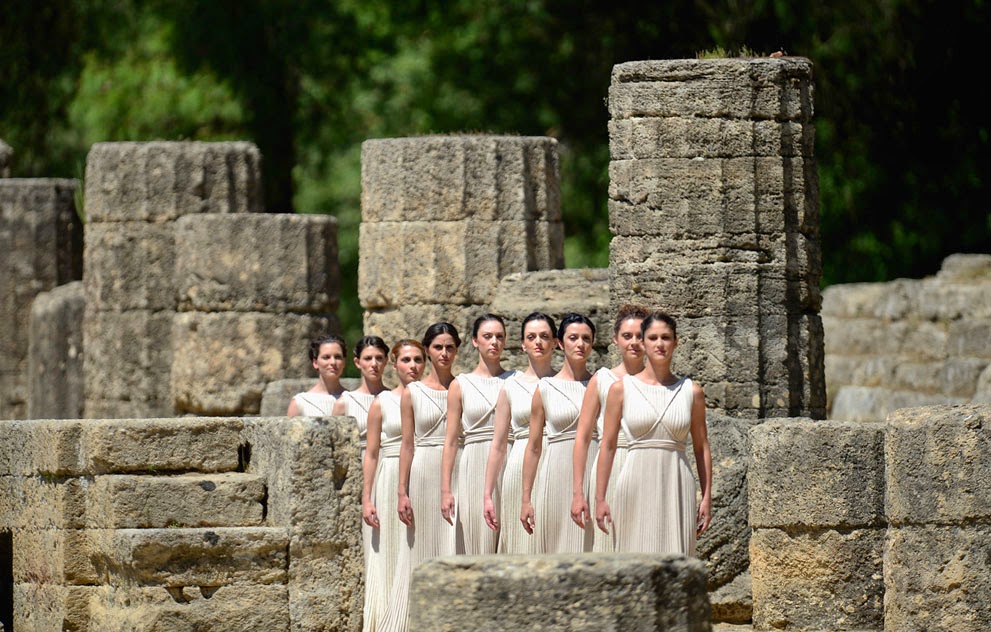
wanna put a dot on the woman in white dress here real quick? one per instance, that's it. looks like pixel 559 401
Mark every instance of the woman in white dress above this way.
pixel 556 404
pixel 370 357
pixel 629 344
pixel 655 496
pixel 327 357
pixel 472 400
pixel 512 420
pixel 381 479
pixel 423 409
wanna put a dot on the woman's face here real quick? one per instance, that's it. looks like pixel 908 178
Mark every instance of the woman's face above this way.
pixel 409 364
pixel 577 341
pixel 371 363
pixel 442 351
pixel 538 339
pixel 330 360
pixel 490 340
pixel 659 342
pixel 629 340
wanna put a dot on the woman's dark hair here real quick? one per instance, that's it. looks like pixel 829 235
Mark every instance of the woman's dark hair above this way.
pixel 370 341
pixel 571 319
pixel 532 316
pixel 484 318
pixel 405 342
pixel 326 340
pixel 438 329
pixel 663 317
pixel 628 311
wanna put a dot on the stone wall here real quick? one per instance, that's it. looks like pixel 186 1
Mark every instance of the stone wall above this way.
pixel 6 157
pixel 713 204
pixel 55 354
pixel 40 249
pixel 181 524
pixel 909 342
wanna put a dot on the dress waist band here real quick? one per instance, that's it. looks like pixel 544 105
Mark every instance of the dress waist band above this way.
pixel 561 437
pixel 390 450
pixel 657 444
pixel 622 441
pixel 428 442
pixel 478 435
pixel 522 433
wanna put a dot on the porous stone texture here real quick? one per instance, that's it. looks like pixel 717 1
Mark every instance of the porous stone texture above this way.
pixel 445 218
pixel 816 495
pixel 733 603
pixel 560 592
pixel 713 204
pixel 183 524
pixel 55 354
pixel 937 558
pixel 40 249
pixel 909 342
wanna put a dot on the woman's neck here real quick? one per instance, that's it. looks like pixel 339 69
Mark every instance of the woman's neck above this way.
pixel 331 386
pixel 440 377
pixel 488 368
pixel 371 387
pixel 540 369
pixel 629 366
pixel 573 369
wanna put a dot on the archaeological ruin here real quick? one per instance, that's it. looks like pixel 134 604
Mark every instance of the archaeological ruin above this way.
pixel 149 480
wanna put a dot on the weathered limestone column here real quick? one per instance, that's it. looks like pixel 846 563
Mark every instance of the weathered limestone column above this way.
pixel 713 202
pixel 444 218
pixel 560 592
pixel 40 248
pixel 817 510
pixel 253 291
pixel 55 354
pixel 134 194
pixel 937 558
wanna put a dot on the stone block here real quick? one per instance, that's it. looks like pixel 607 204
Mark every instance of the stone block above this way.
pixel 560 592
pixel 925 340
pixel 50 448
pixel 778 89
pixel 678 137
pixel 937 578
pixel 6 158
pixel 818 580
pixel 948 302
pixel 816 474
pixel 33 502
pixel 55 354
pixel 40 607
pixel 970 338
pixel 128 358
pixel 276 396
pixel 130 266
pixel 961 376
pixel 447 178
pixel 411 321
pixel 14 393
pixel 57 556
pixel 864 336
pixel 260 263
pixel 450 262
pixel 936 459
pixel 852 300
pixel 965 268
pixel 982 394
pixel 223 360
pixel 162 445
pixel 734 602
pixel 161 181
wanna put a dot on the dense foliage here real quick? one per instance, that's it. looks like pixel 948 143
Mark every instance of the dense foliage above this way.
pixel 903 147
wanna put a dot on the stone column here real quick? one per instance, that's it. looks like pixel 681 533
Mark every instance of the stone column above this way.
pixel 713 205
pixel 40 248
pixel 444 218
pixel 817 510
pixel 253 290
pixel 134 194
pixel 55 354
pixel 937 558
pixel 6 156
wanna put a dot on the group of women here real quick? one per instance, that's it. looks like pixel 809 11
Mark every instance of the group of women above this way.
pixel 504 461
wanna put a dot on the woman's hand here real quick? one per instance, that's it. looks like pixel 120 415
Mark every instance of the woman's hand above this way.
pixel 369 515
pixel 579 510
pixel 447 507
pixel 405 510
pixel 603 517
pixel 526 517
pixel 489 512
pixel 704 518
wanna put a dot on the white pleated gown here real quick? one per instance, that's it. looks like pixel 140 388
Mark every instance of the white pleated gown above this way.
pixel 382 557
pixel 315 404
pixel 513 538
pixel 655 507
pixel 431 536
pixel 554 528
pixel 478 402
pixel 606 543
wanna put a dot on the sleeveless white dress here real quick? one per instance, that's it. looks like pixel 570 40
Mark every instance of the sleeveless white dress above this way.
pixel 655 507
pixel 513 538
pixel 606 543
pixel 315 404
pixel 478 402
pixel 383 555
pixel 431 536
pixel 554 528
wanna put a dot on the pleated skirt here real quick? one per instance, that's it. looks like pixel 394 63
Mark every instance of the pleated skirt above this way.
pixel 513 538
pixel 479 539
pixel 606 542
pixel 382 547
pixel 553 527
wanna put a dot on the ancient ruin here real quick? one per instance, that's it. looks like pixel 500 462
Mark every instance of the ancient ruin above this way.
pixel 119 513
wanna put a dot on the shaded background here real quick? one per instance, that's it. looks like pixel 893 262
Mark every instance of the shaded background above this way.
pixel 902 133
